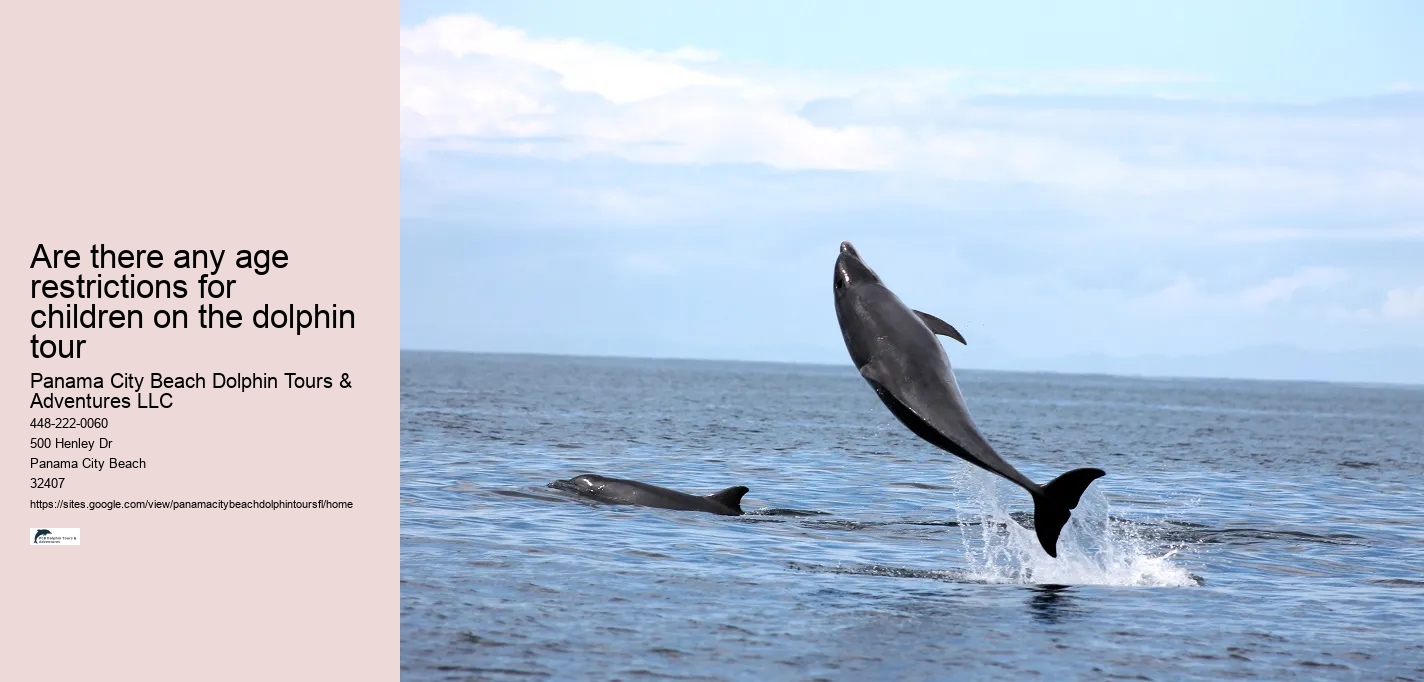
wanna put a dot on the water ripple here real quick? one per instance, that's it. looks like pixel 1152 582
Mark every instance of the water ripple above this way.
pixel 1245 529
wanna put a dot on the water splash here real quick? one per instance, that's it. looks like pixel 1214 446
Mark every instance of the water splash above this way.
pixel 1092 550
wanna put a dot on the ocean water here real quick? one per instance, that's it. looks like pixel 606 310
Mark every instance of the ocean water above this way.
pixel 1245 529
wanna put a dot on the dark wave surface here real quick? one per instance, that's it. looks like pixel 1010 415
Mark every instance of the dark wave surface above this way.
pixel 1255 530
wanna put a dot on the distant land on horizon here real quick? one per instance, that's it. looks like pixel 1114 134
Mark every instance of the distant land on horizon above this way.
pixel 1400 365
pixel 1386 365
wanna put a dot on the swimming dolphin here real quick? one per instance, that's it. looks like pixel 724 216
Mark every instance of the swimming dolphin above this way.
pixel 896 351
pixel 39 534
pixel 622 491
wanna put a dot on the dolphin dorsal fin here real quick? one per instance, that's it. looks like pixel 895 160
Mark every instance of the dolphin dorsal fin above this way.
pixel 941 327
pixel 731 497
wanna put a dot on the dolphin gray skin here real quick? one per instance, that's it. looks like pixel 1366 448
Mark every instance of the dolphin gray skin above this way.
pixel 622 491
pixel 896 351
pixel 39 534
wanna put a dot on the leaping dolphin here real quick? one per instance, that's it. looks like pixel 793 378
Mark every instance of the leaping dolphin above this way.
pixel 622 491
pixel 39 534
pixel 896 351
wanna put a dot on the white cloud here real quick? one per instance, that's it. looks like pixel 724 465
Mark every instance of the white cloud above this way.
pixel 494 90
pixel 1186 297
pixel 617 74
pixel 1361 233
pixel 1089 141
pixel 1181 296
pixel 480 87
pixel 1282 288
pixel 1404 303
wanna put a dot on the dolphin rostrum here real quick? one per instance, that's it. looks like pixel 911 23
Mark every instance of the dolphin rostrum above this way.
pixel 622 491
pixel 896 351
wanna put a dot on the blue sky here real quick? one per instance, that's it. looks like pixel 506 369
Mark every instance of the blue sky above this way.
pixel 1070 184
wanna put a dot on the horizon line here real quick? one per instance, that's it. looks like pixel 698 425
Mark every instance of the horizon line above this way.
pixel 1363 384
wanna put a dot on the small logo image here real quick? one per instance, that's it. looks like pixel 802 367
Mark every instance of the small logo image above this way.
pixel 54 536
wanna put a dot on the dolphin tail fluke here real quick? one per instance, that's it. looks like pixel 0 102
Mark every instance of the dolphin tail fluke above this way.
pixel 1054 505
pixel 731 497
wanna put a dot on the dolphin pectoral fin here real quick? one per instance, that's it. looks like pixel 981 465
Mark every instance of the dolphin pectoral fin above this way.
pixel 731 497
pixel 882 381
pixel 872 373
pixel 941 327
